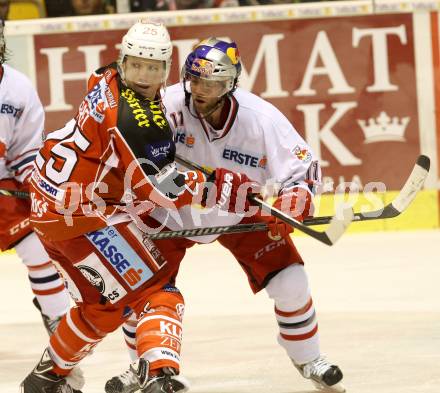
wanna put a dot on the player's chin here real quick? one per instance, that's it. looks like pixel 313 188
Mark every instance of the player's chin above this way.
pixel 201 106
pixel 147 91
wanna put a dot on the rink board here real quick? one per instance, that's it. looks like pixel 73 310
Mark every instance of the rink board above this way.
pixel 423 213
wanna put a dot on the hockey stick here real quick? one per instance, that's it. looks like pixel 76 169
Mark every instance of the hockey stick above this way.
pixel 412 186
pixel 335 230
pixel 227 229
pixel 15 193
pixel 406 195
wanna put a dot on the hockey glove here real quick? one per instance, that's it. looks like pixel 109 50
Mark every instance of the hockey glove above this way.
pixel 229 191
pixel 297 203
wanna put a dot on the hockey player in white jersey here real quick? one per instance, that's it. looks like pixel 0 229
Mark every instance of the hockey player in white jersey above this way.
pixel 21 131
pixel 217 124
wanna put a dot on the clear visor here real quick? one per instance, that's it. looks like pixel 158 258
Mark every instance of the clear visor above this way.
pixel 210 88
pixel 144 71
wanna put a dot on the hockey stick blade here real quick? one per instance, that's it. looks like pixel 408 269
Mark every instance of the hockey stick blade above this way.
pixel 413 185
pixel 409 191
pixel 338 225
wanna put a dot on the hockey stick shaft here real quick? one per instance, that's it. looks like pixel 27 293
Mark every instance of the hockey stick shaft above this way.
pixel 15 193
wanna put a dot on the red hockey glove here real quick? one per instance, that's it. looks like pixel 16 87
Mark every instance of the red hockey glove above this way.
pixel 14 215
pixel 297 203
pixel 230 192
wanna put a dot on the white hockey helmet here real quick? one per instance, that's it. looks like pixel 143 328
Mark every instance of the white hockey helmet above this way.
pixel 147 40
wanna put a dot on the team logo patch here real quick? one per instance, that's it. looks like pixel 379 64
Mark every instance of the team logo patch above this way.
pixel 101 278
pixel 93 277
pixel 96 101
pixel 302 154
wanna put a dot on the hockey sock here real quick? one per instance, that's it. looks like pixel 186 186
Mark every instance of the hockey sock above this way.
pixel 295 314
pixel 72 341
pixel 159 331
pixel 129 331
pixel 299 332
pixel 48 288
pixel 45 280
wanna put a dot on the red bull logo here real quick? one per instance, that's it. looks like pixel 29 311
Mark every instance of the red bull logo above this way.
pixel 233 54
pixel 302 154
pixel 203 67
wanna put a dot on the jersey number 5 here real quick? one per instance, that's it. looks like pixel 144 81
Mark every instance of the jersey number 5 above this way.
pixel 61 172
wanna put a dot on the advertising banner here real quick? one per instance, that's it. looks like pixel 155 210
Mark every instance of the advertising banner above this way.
pixel 347 84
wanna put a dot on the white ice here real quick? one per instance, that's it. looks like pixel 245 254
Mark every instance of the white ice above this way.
pixel 378 303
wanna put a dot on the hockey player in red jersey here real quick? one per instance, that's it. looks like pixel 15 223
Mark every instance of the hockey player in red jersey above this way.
pixel 21 130
pixel 217 124
pixel 116 157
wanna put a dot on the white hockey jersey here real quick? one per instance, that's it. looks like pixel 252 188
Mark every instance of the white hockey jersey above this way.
pixel 21 124
pixel 257 140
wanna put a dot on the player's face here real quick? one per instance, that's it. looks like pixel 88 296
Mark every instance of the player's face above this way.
pixel 143 75
pixel 206 93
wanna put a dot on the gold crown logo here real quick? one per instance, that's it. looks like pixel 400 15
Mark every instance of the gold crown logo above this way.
pixel 384 128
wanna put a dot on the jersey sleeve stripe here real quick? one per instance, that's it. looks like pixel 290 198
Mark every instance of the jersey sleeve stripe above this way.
pixel 27 160
pixel 22 156
pixel 24 169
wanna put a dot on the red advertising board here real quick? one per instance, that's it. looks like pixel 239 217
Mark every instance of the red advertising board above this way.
pixel 347 84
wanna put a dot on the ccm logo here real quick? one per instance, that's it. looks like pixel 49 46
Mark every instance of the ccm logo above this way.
pixel 18 227
pixel 268 248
